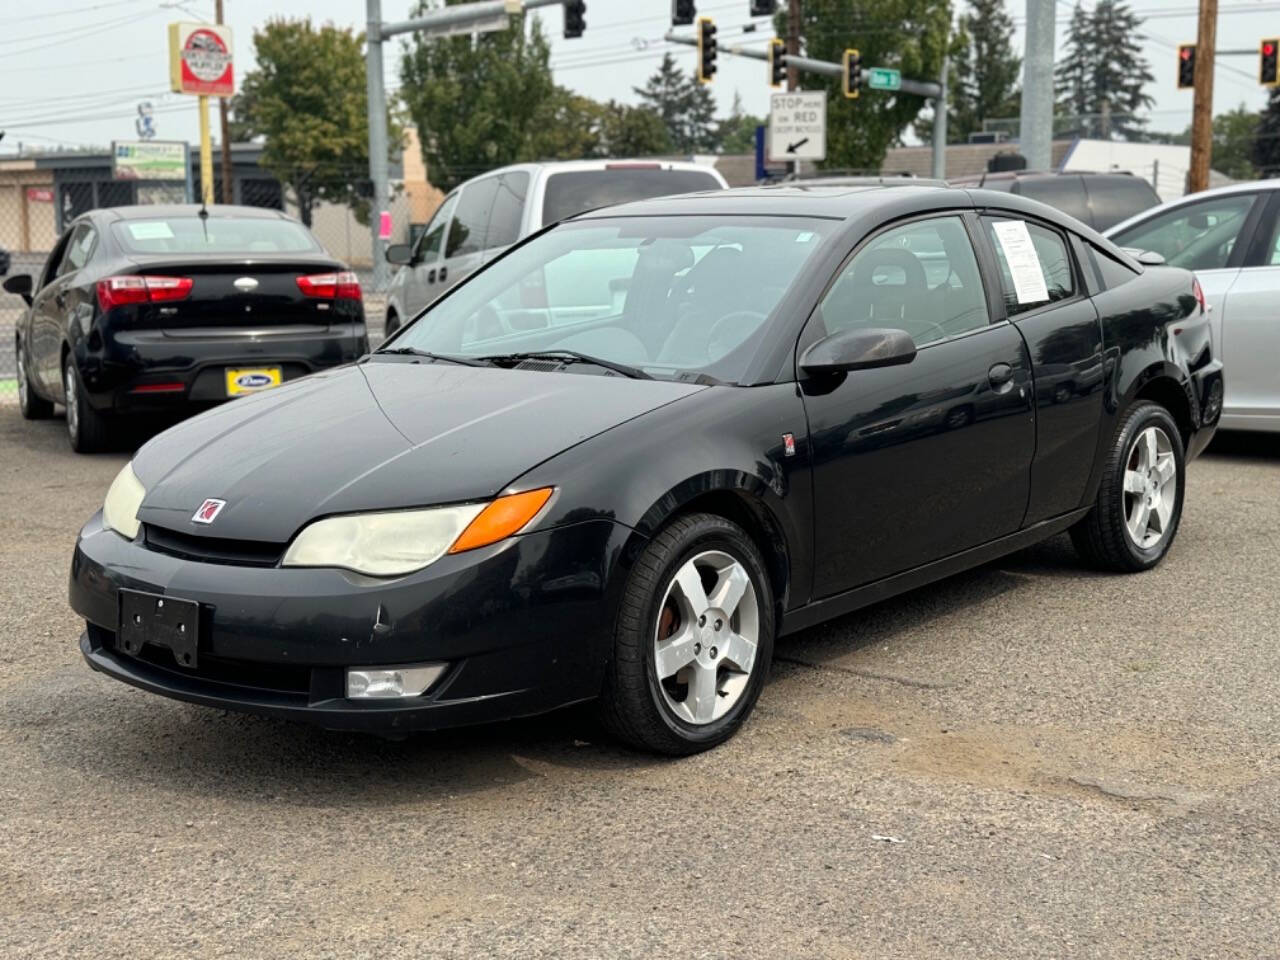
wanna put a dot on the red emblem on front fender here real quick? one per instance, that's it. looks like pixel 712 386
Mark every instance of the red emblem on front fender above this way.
pixel 209 511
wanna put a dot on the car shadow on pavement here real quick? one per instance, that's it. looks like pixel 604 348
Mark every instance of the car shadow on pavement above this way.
pixel 1237 444
pixel 200 751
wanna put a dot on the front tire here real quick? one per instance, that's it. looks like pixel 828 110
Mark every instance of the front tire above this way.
pixel 86 427
pixel 693 640
pixel 1139 506
pixel 31 405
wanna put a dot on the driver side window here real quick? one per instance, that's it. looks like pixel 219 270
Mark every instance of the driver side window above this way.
pixel 429 243
pixel 922 277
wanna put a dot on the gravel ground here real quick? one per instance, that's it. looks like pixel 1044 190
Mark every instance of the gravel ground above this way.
pixel 1068 764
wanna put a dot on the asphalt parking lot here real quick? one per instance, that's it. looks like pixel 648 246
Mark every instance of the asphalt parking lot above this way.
pixel 1028 760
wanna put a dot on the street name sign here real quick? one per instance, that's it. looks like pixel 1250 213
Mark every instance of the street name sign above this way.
pixel 883 78
pixel 798 125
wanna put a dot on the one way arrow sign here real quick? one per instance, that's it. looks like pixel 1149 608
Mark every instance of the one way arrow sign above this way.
pixel 798 126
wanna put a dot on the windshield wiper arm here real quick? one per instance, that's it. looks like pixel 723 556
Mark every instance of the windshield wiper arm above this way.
pixel 415 352
pixel 572 356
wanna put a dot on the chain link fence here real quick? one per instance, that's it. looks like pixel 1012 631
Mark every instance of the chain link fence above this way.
pixel 32 217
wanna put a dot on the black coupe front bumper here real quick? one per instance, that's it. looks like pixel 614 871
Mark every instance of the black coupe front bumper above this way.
pixel 524 626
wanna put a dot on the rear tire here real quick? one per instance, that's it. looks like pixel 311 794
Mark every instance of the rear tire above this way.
pixel 32 406
pixel 693 639
pixel 86 427
pixel 1139 506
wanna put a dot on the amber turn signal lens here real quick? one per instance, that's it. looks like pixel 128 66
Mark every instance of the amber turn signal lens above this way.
pixel 502 518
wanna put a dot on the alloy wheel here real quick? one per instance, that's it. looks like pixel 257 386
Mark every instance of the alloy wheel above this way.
pixel 23 398
pixel 706 638
pixel 1150 487
pixel 73 409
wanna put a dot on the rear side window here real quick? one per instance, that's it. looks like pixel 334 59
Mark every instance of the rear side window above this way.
pixel 433 237
pixel 1197 236
pixel 1063 193
pixel 1035 267
pixel 467 234
pixel 80 249
pixel 216 235
pixel 1116 198
pixel 573 191
pixel 508 210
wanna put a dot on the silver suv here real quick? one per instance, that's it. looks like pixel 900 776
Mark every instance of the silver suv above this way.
pixel 484 216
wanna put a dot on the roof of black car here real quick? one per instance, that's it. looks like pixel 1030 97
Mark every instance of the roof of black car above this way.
pixel 153 211
pixel 792 199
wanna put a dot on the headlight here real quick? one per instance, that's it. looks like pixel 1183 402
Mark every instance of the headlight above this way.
pixel 398 542
pixel 120 509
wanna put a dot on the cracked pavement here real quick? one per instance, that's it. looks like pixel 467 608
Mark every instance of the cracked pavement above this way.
pixel 1076 765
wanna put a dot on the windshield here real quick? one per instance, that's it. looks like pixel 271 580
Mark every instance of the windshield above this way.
pixel 574 191
pixel 216 235
pixel 672 296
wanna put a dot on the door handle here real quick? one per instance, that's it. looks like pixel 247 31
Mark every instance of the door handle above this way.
pixel 431 275
pixel 444 273
pixel 1001 377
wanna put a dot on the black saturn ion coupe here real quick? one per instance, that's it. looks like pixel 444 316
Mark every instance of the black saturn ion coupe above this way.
pixel 161 310
pixel 623 458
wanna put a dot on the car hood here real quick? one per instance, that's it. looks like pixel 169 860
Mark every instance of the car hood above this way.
pixel 377 435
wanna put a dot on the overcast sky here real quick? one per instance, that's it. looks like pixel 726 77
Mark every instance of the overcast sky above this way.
pixel 74 73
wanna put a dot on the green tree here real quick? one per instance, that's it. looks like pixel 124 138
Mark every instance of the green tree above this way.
pixel 1102 79
pixel 630 131
pixel 1235 142
pixel 476 100
pixel 306 97
pixel 684 105
pixel 570 126
pixel 737 133
pixel 986 85
pixel 911 35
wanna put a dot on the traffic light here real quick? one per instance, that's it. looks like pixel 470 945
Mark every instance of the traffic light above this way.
pixel 764 8
pixel 1186 66
pixel 575 12
pixel 852 73
pixel 777 67
pixel 682 12
pixel 1268 69
pixel 706 49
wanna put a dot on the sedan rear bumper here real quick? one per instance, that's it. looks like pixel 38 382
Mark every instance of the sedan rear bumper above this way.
pixel 146 371
pixel 524 627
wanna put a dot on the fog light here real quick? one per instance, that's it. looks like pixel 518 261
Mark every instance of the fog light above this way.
pixel 382 683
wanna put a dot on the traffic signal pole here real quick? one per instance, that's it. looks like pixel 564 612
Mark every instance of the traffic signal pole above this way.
pixel 1202 109
pixel 444 20
pixel 1035 135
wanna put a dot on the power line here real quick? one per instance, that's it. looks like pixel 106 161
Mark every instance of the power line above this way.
pixel 64 13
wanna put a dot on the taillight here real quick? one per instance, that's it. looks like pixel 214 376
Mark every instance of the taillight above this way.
pixel 123 290
pixel 331 286
pixel 1199 292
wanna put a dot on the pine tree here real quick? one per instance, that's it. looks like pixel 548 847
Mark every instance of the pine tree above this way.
pixel 686 107
pixel 1102 79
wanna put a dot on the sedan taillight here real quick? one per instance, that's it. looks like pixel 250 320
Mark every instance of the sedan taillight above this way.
pixel 1199 293
pixel 331 286
pixel 123 290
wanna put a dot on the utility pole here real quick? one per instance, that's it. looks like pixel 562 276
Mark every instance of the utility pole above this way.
pixel 1036 134
pixel 228 194
pixel 377 140
pixel 1202 110
pixel 793 42
pixel 940 122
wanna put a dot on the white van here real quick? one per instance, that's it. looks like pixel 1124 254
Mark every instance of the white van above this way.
pixel 484 216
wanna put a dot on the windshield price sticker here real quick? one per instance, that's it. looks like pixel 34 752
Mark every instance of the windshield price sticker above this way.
pixel 1024 262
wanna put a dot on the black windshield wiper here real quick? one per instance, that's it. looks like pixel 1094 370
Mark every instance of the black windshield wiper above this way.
pixel 443 358
pixel 571 356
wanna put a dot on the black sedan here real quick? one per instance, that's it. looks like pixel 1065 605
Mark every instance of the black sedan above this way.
pixel 704 422
pixel 158 310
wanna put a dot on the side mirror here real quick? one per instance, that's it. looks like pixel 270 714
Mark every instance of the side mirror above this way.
pixel 400 253
pixel 1149 258
pixel 20 285
pixel 858 349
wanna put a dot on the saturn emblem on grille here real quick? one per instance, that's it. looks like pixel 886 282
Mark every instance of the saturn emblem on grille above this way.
pixel 245 284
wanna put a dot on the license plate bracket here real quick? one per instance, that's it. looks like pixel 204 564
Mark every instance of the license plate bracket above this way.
pixel 169 622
